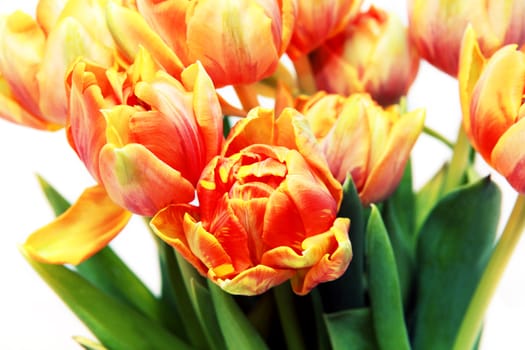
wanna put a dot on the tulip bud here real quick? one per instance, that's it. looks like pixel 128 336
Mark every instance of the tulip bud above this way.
pixel 237 42
pixel 437 27
pixel 373 54
pixel 318 21
pixel 492 93
pixel 362 140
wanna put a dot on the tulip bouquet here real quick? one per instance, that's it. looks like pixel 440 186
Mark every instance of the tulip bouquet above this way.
pixel 266 145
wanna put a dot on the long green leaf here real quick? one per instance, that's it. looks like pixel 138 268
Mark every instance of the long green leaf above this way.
pixel 237 330
pixel 115 324
pixel 429 195
pixel 106 270
pixel 455 243
pixel 384 290
pixel 351 329
pixel 348 291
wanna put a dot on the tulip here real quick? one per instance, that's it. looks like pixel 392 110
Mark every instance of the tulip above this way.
pixel 237 42
pixel 318 21
pixel 437 27
pixel 267 213
pixel 362 140
pixel 144 135
pixel 35 53
pixel 491 91
pixel 373 54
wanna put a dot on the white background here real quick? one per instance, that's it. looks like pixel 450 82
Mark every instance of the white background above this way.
pixel 31 316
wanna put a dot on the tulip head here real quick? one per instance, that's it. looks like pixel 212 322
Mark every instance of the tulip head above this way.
pixel 437 27
pixel 492 95
pixel 267 213
pixel 362 140
pixel 373 54
pixel 318 21
pixel 34 54
pixel 144 135
pixel 237 42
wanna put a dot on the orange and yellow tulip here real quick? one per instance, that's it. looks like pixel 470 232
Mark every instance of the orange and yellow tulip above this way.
pixel 362 140
pixel 35 56
pixel 237 42
pixel 144 135
pixel 247 196
pixel 437 27
pixel 317 21
pixel 373 54
pixel 492 94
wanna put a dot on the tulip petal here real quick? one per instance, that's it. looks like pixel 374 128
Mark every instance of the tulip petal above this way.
pixel 497 98
pixel 257 127
pixel 81 231
pixel 471 63
pixel 331 266
pixel 130 31
pixel 139 181
pixel 253 281
pixel 206 107
pixel 508 156
pixel 169 225
pixel 48 12
pixel 21 51
pixel 387 172
pixel 65 43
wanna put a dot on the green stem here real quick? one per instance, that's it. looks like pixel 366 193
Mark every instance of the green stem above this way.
pixel 305 77
pixel 433 133
pixel 288 317
pixel 471 325
pixel 459 163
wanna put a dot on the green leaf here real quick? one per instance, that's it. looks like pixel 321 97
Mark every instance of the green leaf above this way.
pixel 113 322
pixel 106 270
pixel 429 195
pixel 385 294
pixel 399 217
pixel 348 291
pixel 351 329
pixel 55 199
pixel 176 295
pixel 455 243
pixel 237 330
pixel 110 274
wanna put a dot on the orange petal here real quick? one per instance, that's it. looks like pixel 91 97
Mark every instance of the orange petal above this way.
pixel 257 127
pixel 253 281
pixel 141 182
pixel 85 228
pixel 130 31
pixel 21 51
pixel 169 225
pixel 508 156
pixel 388 170
pixel 206 107
pixel 471 63
pixel 497 98
pixel 331 266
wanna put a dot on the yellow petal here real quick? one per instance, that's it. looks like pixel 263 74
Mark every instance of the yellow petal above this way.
pixel 85 228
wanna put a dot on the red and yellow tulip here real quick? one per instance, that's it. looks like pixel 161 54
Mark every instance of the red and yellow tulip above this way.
pixel 35 54
pixel 237 42
pixel 373 54
pixel 267 213
pixel 317 21
pixel 362 140
pixel 492 94
pixel 437 27
pixel 144 135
